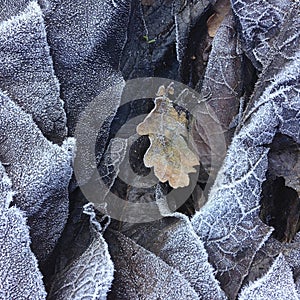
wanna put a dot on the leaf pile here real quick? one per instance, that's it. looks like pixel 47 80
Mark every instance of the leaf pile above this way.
pixel 236 236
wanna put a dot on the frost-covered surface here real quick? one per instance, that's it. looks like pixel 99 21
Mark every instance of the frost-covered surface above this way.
pixel 229 223
pixel 183 250
pixel 223 85
pixel 180 247
pixel 174 240
pixel 10 8
pixel 87 38
pixel 260 22
pixel 20 277
pixel 40 173
pixel 278 283
pixel 26 71
pixel 223 79
pixel 142 275
pixel 61 64
pixel 90 276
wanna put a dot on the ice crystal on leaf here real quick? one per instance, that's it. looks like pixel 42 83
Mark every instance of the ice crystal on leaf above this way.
pixel 20 277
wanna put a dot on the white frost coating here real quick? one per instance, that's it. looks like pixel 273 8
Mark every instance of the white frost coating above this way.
pixel 229 223
pixel 40 173
pixel 20 277
pixel 91 275
pixel 26 71
pixel 277 284
pixel 87 38
pixel 177 41
pixel 280 91
pixel 260 22
pixel 37 168
pixel 140 274
pixel 6 192
pixel 183 250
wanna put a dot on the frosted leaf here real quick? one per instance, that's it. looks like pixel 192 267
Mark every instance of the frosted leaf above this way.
pixel 185 18
pixel 88 277
pixel 223 86
pixel 284 92
pixel 40 172
pixel 112 159
pixel 278 283
pixel 180 248
pixel 142 275
pixel 260 23
pixel 284 52
pixel 229 223
pixel 175 242
pixel 9 8
pixel 224 75
pixel 20 277
pixel 168 153
pixel 5 189
pixel 86 39
pixel 214 22
pixel 26 71
pixel 264 258
pixel 292 256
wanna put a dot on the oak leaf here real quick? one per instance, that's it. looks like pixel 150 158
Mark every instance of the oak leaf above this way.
pixel 169 152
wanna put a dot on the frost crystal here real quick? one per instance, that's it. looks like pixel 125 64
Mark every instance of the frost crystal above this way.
pixel 26 71
pixel 88 277
pixel 40 173
pixel 20 277
pixel 278 283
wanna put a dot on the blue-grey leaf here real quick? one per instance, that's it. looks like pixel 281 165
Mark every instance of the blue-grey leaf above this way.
pixel 229 223
pixel 180 247
pixel 27 74
pixel 88 277
pixel 40 172
pixel 10 8
pixel 86 39
pixel 260 23
pixel 20 277
pixel 278 283
pixel 142 275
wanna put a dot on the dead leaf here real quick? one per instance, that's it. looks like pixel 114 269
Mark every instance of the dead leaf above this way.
pixel 141 275
pixel 169 152
pixel 278 283
pixel 215 20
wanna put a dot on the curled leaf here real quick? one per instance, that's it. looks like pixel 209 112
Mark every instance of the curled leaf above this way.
pixel 40 173
pixel 89 276
pixel 278 283
pixel 20 277
pixel 26 71
pixel 140 274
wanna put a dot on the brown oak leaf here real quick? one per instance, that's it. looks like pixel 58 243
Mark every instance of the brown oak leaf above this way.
pixel 169 152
